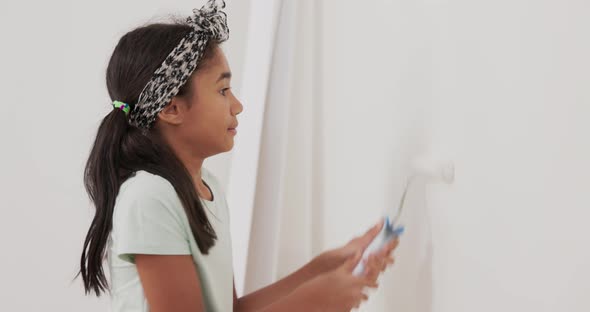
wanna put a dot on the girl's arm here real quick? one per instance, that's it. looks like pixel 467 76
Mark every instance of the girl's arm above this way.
pixel 261 298
pixel 336 290
pixel 321 264
pixel 170 282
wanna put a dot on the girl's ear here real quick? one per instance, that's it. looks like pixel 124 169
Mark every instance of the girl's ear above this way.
pixel 174 112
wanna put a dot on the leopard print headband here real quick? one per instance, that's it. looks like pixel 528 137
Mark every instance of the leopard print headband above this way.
pixel 209 22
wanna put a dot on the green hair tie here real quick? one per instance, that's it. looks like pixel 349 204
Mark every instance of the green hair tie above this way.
pixel 122 106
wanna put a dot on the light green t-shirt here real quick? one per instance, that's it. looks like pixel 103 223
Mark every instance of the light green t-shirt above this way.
pixel 149 218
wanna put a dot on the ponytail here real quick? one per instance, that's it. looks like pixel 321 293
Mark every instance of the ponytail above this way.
pixel 102 180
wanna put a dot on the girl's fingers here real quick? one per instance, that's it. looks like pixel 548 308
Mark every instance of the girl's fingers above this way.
pixel 390 262
pixel 364 281
pixel 384 256
pixel 368 267
pixel 369 283
pixel 368 237
pixel 389 247
pixel 392 245
pixel 375 266
pixel 377 263
pixel 381 261
pixel 351 262
pixel 359 300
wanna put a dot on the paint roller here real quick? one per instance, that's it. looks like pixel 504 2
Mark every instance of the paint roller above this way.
pixel 432 171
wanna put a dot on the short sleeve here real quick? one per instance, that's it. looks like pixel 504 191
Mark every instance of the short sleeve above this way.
pixel 147 220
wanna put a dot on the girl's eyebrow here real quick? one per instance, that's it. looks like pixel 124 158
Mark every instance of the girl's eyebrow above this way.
pixel 224 75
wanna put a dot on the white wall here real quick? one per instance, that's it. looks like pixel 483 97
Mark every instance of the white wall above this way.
pixel 53 59
pixel 502 88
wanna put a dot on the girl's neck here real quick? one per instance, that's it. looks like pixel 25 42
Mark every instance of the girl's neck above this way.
pixel 193 164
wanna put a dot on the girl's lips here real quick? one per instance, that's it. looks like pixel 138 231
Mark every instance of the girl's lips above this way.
pixel 233 131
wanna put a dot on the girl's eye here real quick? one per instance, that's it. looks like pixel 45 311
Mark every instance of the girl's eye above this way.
pixel 223 91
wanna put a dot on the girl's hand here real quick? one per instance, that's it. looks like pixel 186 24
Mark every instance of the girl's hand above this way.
pixel 338 290
pixel 376 264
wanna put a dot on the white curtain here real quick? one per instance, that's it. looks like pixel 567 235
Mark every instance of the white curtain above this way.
pixel 283 219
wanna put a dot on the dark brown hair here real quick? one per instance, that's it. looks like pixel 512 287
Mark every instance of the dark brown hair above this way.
pixel 119 149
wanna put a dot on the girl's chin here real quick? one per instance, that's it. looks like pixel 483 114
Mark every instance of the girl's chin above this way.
pixel 230 145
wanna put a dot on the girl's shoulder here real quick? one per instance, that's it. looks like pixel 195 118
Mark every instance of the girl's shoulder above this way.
pixel 142 178
pixel 146 196
pixel 145 183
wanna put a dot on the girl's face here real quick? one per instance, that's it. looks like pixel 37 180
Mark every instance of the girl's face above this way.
pixel 207 122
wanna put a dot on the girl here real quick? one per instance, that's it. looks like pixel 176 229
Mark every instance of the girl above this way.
pixel 162 219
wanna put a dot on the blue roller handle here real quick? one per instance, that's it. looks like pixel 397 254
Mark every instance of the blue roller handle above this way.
pixel 388 233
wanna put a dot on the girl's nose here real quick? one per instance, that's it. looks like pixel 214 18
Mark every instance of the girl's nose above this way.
pixel 237 106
